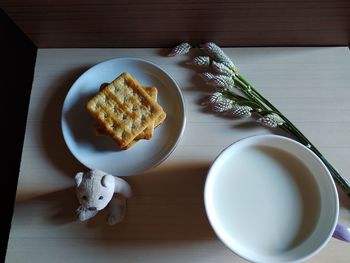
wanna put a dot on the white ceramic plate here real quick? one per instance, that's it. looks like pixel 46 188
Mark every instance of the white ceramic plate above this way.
pixel 101 152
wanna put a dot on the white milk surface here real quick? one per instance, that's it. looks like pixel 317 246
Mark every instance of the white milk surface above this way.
pixel 265 200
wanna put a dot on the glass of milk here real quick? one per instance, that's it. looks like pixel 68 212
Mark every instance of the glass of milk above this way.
pixel 271 199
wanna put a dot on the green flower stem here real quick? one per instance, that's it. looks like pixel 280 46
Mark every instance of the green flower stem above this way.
pixel 288 126
pixel 245 90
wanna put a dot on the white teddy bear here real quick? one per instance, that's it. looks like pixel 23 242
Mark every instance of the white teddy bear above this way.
pixel 95 190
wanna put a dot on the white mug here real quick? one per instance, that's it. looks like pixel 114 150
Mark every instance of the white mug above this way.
pixel 271 199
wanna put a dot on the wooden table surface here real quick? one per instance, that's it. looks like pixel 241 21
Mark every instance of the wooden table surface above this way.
pixel 166 220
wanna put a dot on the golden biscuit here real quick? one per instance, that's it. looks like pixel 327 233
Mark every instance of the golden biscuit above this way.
pixel 124 109
pixel 146 133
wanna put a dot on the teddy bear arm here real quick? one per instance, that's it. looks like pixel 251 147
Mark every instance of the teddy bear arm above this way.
pixel 122 187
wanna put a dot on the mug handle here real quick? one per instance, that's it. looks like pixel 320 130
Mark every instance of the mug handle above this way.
pixel 341 232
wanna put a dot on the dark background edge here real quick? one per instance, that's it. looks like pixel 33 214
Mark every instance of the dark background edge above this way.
pixel 17 62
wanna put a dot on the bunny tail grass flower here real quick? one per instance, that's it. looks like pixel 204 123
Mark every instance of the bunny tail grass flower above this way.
pixel 219 103
pixel 213 98
pixel 183 48
pixel 223 105
pixel 222 81
pixel 272 120
pixel 206 76
pixel 235 96
pixel 240 111
pixel 216 53
pixel 222 69
pixel 201 61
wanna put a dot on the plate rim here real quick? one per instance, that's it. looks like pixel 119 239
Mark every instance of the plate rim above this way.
pixel 136 59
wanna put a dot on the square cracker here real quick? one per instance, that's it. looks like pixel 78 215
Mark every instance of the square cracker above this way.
pixel 159 121
pixel 124 109
pixel 146 133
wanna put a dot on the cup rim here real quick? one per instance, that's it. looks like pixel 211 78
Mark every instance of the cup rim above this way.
pixel 208 207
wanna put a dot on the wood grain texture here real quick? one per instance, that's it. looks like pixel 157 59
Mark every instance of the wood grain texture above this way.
pixel 158 23
pixel 166 220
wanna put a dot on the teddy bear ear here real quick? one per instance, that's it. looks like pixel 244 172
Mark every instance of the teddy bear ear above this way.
pixel 79 178
pixel 107 180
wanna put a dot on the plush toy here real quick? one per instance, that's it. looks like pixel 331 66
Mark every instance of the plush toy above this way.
pixel 96 189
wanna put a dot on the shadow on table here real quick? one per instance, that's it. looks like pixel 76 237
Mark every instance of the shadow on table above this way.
pixel 51 135
pixel 343 199
pixel 167 204
pixel 55 208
